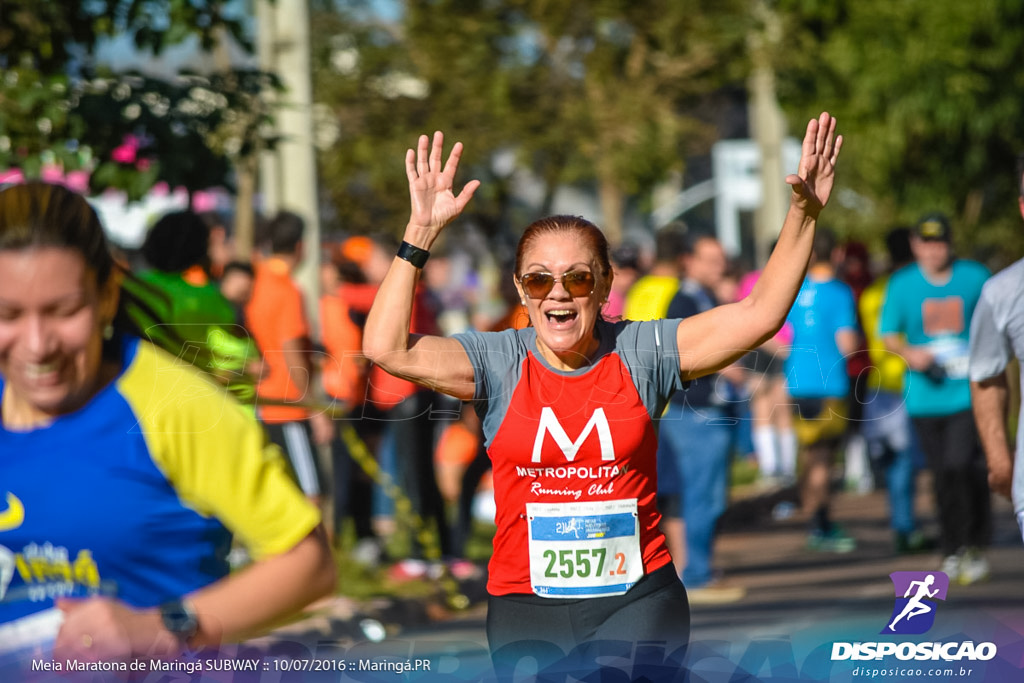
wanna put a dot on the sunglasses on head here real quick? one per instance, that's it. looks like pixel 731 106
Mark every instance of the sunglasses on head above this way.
pixel 576 282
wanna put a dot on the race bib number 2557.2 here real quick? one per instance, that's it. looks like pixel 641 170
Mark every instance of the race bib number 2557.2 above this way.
pixel 584 550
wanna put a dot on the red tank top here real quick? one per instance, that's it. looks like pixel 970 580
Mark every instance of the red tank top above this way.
pixel 571 439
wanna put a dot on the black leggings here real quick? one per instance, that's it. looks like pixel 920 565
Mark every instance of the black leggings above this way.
pixel 642 633
pixel 951 445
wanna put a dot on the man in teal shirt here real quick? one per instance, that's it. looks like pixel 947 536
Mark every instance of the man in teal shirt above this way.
pixel 926 319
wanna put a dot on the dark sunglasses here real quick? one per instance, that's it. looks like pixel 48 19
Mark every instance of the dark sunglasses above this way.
pixel 576 282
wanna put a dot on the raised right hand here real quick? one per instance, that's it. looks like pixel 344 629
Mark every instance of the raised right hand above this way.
pixel 812 184
pixel 431 187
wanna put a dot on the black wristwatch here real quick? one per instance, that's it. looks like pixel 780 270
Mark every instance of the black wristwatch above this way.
pixel 180 619
pixel 414 255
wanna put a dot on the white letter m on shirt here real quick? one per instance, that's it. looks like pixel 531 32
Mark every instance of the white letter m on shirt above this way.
pixel 550 423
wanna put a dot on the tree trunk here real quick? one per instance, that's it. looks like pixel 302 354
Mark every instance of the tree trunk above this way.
pixel 768 128
pixel 612 209
pixel 245 170
pixel 245 200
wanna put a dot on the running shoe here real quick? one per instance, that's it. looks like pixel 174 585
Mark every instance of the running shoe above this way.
pixel 951 567
pixel 464 570
pixel 367 552
pixel 835 540
pixel 973 567
pixel 912 543
pixel 408 570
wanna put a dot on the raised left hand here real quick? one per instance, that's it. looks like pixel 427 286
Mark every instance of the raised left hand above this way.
pixel 812 185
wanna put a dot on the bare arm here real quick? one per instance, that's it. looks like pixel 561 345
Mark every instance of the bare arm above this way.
pixel 435 362
pixel 990 400
pixel 917 357
pixel 104 628
pixel 714 339
pixel 285 584
pixel 846 342
pixel 296 354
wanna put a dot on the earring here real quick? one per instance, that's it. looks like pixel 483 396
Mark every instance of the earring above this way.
pixel 108 331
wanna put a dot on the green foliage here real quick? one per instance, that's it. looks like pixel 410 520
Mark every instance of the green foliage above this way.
pixel 608 93
pixel 52 32
pixel 579 92
pixel 190 130
pixel 35 120
pixel 388 84
pixel 626 74
pixel 928 93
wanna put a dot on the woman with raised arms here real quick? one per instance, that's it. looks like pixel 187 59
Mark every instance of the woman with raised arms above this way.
pixel 568 407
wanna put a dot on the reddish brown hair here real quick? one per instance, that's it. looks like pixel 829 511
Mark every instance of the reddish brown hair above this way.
pixel 587 233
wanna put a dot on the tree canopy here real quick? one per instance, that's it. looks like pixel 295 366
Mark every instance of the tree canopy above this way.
pixel 928 93
pixel 577 92
pixel 613 96
pixel 128 129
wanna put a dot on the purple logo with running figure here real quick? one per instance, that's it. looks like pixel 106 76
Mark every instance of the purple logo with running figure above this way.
pixel 914 611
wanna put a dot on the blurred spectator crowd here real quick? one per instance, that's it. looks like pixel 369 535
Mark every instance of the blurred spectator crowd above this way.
pixel 821 405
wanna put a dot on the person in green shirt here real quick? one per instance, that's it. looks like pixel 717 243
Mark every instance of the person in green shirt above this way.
pixel 193 310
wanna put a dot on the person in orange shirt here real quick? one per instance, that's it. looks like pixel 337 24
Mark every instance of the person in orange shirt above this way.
pixel 405 408
pixel 343 370
pixel 343 375
pixel 277 320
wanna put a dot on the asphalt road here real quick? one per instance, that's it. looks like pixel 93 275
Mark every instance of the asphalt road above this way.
pixel 803 615
pixel 799 603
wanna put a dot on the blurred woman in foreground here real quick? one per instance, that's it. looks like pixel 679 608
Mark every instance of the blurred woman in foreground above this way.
pixel 126 473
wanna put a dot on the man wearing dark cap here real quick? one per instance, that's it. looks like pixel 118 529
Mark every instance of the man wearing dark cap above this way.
pixel 926 319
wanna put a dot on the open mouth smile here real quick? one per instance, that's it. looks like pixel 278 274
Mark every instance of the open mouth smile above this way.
pixel 560 316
